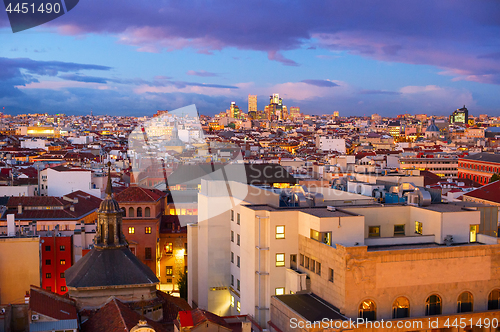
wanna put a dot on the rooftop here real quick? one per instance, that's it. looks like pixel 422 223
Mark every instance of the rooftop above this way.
pixel 483 156
pixel 311 307
pixel 317 211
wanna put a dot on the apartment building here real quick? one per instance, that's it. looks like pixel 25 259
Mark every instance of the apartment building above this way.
pixel 479 167
pixel 444 166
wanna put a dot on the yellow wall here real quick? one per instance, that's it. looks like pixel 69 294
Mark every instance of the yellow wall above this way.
pixel 20 268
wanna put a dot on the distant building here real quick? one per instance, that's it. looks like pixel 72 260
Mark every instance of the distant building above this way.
pixel 62 180
pixel 57 257
pixel 479 167
pixel 252 103
pixel 376 117
pixel 294 112
pixel 336 114
pixel 329 143
pixel 432 131
pixel 275 108
pixel 460 116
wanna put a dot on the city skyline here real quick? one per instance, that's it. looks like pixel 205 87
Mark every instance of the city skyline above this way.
pixel 358 58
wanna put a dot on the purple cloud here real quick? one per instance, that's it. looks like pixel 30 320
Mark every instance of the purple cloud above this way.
pixel 320 83
pixel 378 92
pixel 201 73
pixel 277 56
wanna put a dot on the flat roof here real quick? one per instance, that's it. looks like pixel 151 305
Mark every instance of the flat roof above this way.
pixel 311 307
pixel 317 211
pixel 421 246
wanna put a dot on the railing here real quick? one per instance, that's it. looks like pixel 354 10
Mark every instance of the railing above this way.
pixel 399 240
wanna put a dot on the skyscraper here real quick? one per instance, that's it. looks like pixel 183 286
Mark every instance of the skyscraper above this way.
pixel 252 103
pixel 461 116
pixel 275 109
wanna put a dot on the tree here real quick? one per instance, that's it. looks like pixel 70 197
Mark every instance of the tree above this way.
pixel 182 284
pixel 495 177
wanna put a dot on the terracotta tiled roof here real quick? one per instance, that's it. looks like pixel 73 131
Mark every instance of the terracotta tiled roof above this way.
pixel 489 192
pixel 172 305
pixel 139 194
pixel 51 304
pixel 116 317
pixel 199 316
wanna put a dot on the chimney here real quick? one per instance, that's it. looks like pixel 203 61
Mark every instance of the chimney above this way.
pixel 20 209
pixel 72 208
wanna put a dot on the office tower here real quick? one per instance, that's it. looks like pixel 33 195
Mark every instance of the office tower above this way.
pixel 294 112
pixel 460 116
pixel 252 103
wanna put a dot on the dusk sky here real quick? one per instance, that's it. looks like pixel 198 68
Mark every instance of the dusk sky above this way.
pixel 123 57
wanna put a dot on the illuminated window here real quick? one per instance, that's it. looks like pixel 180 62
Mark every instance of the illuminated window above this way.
pixel 148 230
pixel 48 275
pixel 169 247
pixel 232 301
pixel 280 259
pixel 172 212
pixel 401 308
pixel 279 291
pixel 238 306
pixel 280 232
pixel 170 270
pixel 368 310
pixel 131 230
pixel 418 227
pixel 464 302
pixel 63 288
pixel 399 230
pixel 62 262
pixel 374 231
pixel 474 229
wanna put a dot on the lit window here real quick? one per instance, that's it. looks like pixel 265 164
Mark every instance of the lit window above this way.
pixel 170 270
pixel 368 310
pixel 401 308
pixel 465 302
pixel 374 231
pixel 280 259
pixel 63 288
pixel 172 212
pixel 232 301
pixel 131 230
pixel 62 262
pixel 169 247
pixel 399 230
pixel 48 275
pixel 280 232
pixel 280 291
pixel 238 306
pixel 418 227
pixel 148 230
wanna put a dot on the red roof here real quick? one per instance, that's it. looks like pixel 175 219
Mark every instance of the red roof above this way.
pixel 51 304
pixel 139 194
pixel 185 318
pixel 489 192
pixel 198 316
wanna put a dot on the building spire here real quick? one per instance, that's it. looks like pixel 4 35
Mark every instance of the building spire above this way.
pixel 109 187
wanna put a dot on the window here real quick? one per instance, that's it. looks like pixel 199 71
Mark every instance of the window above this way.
pixel 147 253
pixel 48 275
pixel 279 291
pixel 232 236
pixel 170 270
pixel 147 230
pixel 63 288
pixel 367 310
pixel 418 227
pixel 232 215
pixel 62 262
pixel 301 260
pixel 238 306
pixel 238 219
pixel 232 280
pixel 232 301
pixel 433 305
pixel 238 261
pixel 399 230
pixel 313 265
pixel 62 248
pixel 47 248
pixel 330 275
pixel 494 300
pixel 169 280
pixel 238 284
pixel 401 308
pixel 474 229
pixel 147 212
pixel 131 212
pixel 280 232
pixel 318 268
pixel 185 248
pixel 131 230
pixel 139 212
pixel 48 262
pixel 280 259
pixel 169 247
pixel 374 231
pixel 464 302
pixel 238 239
pixel 306 262
pixel 232 257
pixel 62 275
pixel 49 288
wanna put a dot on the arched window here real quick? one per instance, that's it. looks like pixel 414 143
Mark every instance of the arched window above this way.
pixel 368 310
pixel 131 212
pixel 494 300
pixel 433 305
pixel 147 212
pixel 464 302
pixel 401 308
pixel 139 212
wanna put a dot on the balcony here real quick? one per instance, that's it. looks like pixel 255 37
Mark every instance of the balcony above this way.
pixel 399 240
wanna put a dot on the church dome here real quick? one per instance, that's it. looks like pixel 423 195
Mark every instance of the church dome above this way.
pixel 109 205
pixel 432 127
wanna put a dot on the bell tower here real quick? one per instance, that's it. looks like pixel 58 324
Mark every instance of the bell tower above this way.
pixel 109 220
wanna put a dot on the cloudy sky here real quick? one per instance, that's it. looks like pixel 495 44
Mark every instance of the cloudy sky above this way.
pixel 356 57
